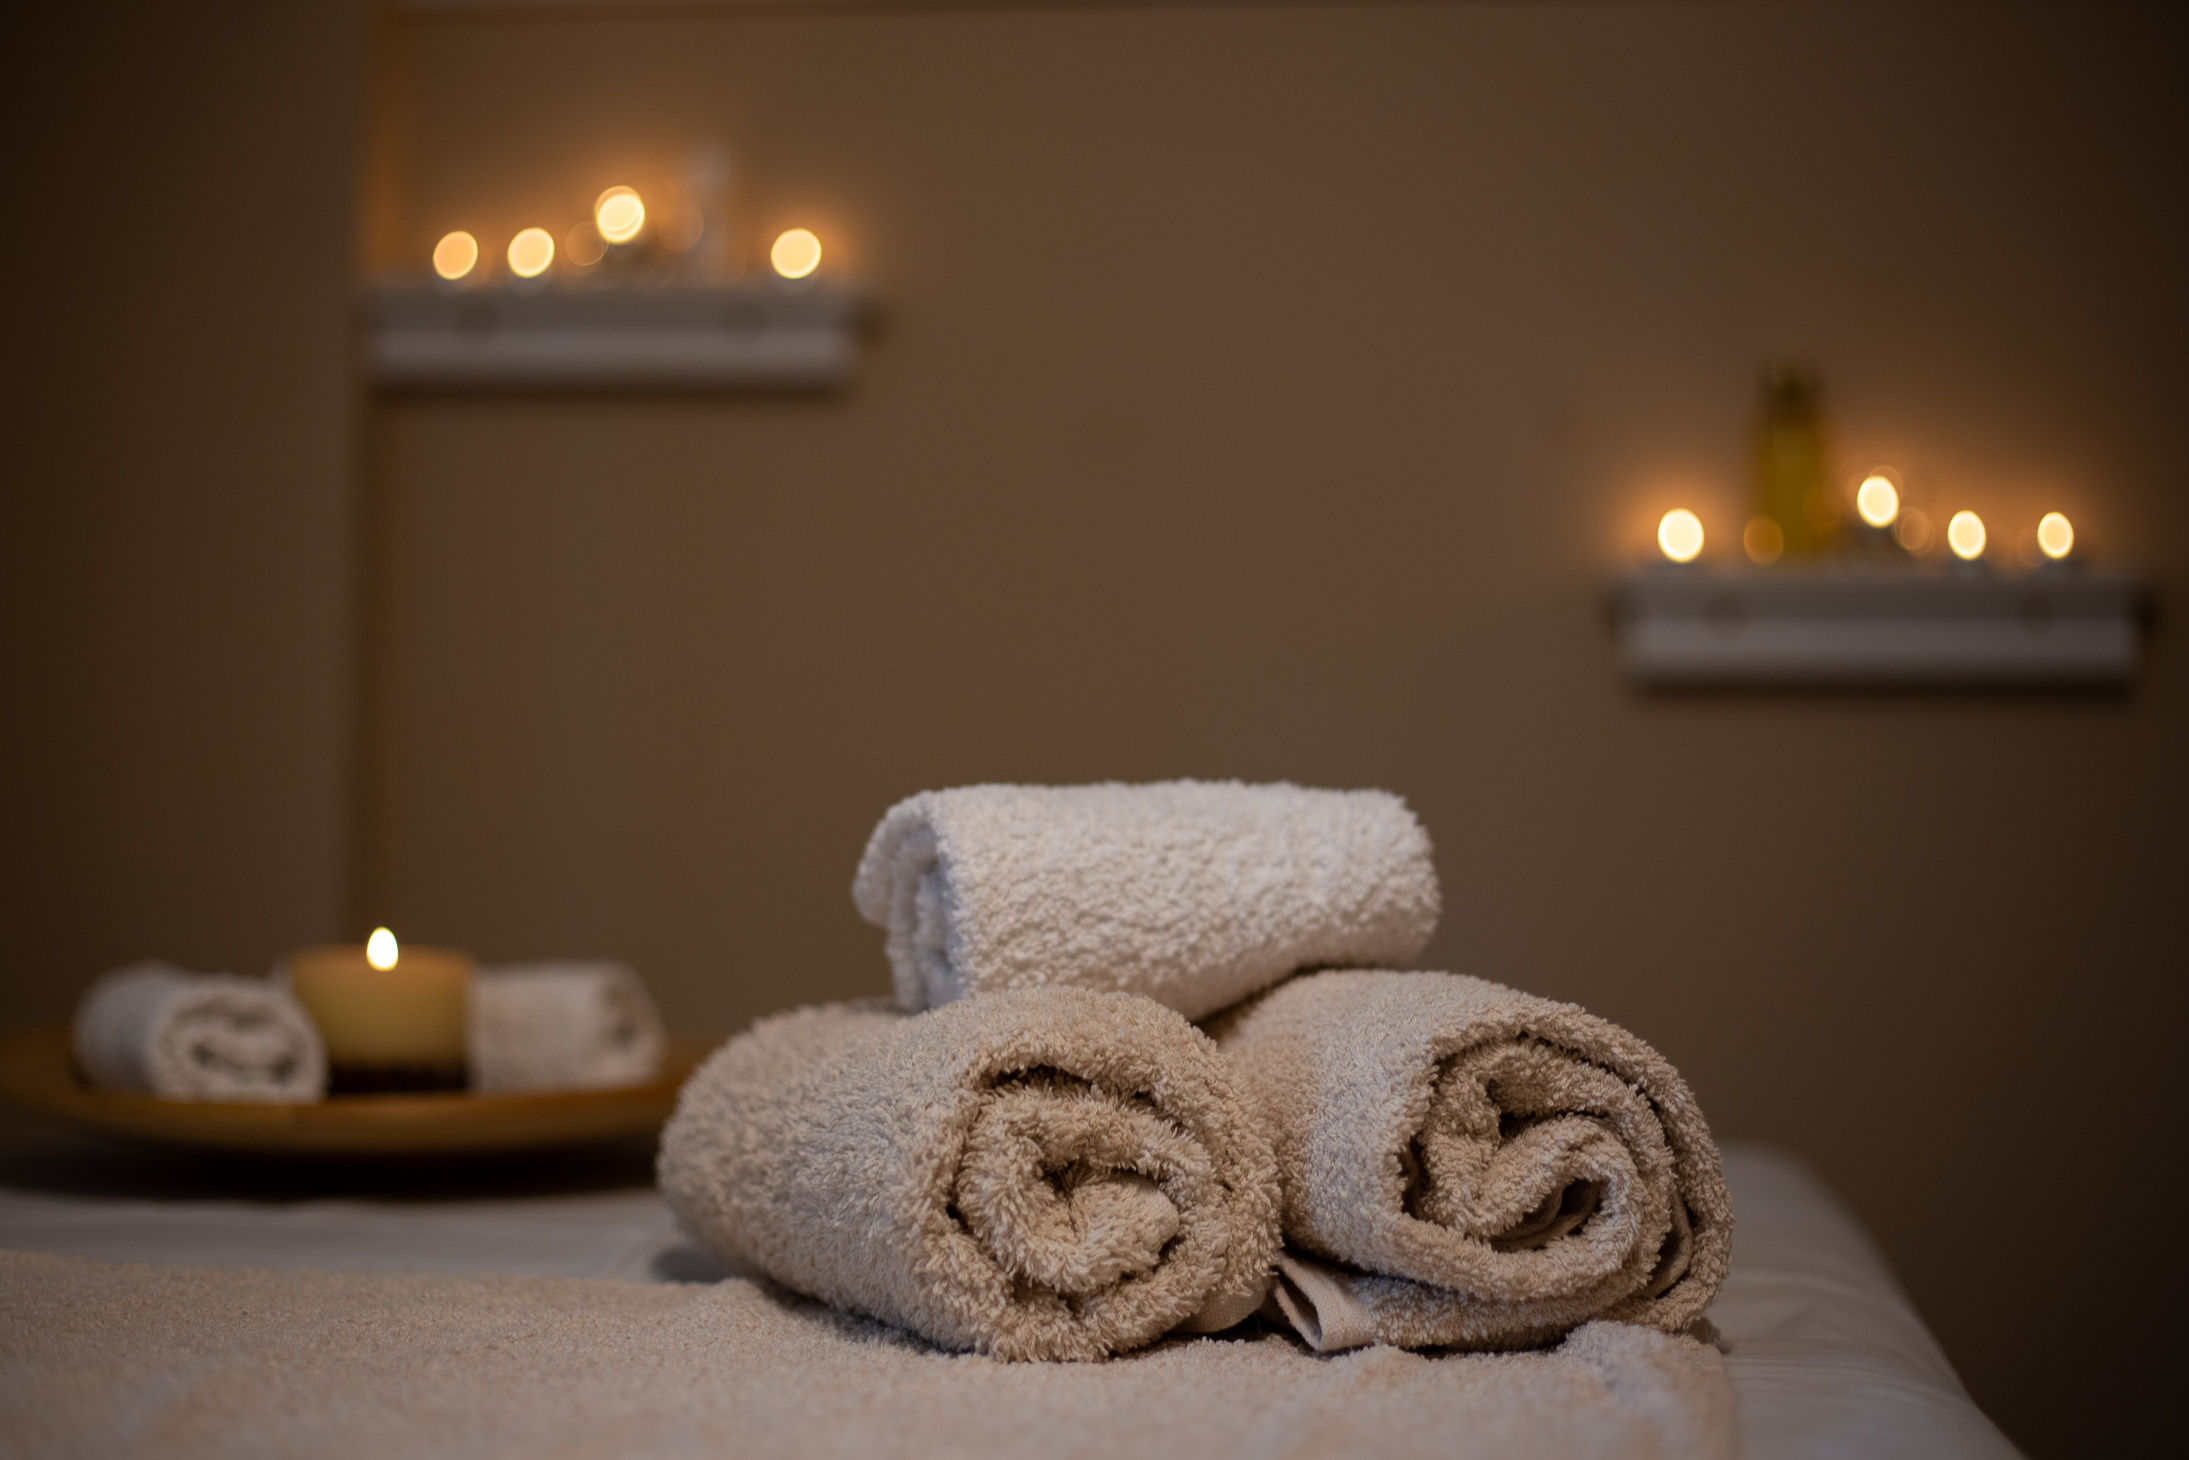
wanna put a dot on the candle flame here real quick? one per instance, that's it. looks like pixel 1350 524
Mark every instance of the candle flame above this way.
pixel 380 949
pixel 796 253
pixel 530 252
pixel 1965 535
pixel 2055 535
pixel 619 215
pixel 454 255
pixel 1878 500
pixel 1680 535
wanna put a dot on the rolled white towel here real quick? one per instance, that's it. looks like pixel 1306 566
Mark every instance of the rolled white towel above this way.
pixel 190 1036
pixel 1195 894
pixel 562 1026
pixel 1034 1174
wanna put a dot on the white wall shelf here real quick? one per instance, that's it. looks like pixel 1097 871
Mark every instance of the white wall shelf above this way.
pixel 756 336
pixel 1887 626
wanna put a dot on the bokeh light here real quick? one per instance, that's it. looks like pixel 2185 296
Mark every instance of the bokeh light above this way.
pixel 530 252
pixel 796 254
pixel 1965 535
pixel 583 246
pixel 380 949
pixel 1914 531
pixel 619 214
pixel 1878 500
pixel 2055 535
pixel 454 255
pixel 1763 540
pixel 1680 535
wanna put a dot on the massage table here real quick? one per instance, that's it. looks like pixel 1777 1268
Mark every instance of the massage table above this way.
pixel 1826 1354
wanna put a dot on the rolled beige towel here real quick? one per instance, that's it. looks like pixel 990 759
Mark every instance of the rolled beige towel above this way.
pixel 572 1025
pixel 1033 1174
pixel 1475 1166
pixel 163 1030
pixel 1193 893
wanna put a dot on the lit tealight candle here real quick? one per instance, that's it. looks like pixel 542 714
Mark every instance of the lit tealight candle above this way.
pixel 392 1017
pixel 530 252
pixel 2055 535
pixel 1877 500
pixel 454 255
pixel 619 214
pixel 1680 535
pixel 1965 535
pixel 796 253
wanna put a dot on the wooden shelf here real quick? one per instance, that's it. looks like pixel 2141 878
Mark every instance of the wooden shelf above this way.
pixel 764 335
pixel 1886 625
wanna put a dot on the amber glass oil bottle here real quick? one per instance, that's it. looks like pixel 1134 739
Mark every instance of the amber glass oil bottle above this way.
pixel 1793 486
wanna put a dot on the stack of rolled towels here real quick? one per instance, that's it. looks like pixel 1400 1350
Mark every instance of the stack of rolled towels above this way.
pixel 1033 1152
pixel 157 1029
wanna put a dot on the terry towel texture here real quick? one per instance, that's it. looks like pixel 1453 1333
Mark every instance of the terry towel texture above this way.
pixel 1033 1174
pixel 1484 1168
pixel 562 1026
pixel 1195 894
pixel 190 1036
pixel 119 1360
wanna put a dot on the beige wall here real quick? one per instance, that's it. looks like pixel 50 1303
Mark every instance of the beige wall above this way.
pixel 1269 391
pixel 1263 390
pixel 177 607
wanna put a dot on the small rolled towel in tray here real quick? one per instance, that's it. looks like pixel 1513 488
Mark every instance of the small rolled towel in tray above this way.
pixel 572 1025
pixel 1465 1165
pixel 1033 1174
pixel 162 1030
pixel 1195 894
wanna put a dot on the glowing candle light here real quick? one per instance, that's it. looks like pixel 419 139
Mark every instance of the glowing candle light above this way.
pixel 619 214
pixel 454 255
pixel 2055 535
pixel 392 1017
pixel 1878 500
pixel 1965 535
pixel 796 254
pixel 530 252
pixel 1680 535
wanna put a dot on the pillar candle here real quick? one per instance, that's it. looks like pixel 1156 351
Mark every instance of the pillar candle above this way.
pixel 398 1027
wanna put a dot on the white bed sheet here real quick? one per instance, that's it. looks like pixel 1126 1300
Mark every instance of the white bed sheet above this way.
pixel 1825 1350
pixel 1826 1353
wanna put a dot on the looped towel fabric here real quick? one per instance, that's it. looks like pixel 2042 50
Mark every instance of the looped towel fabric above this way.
pixel 1476 1167
pixel 1195 894
pixel 1033 1174
pixel 123 1360
pixel 573 1025
pixel 165 1031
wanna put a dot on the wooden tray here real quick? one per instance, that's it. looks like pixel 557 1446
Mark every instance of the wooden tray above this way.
pixel 38 1075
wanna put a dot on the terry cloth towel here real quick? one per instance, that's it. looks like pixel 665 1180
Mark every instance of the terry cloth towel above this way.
pixel 190 1036
pixel 1474 1166
pixel 1035 1174
pixel 562 1026
pixel 1193 893
pixel 122 1360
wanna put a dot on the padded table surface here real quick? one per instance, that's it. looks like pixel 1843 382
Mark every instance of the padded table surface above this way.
pixel 1826 1353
